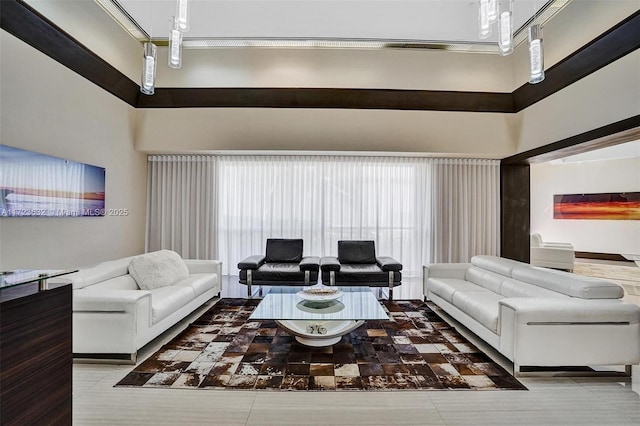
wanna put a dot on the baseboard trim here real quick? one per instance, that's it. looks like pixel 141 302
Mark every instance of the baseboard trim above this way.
pixel 601 256
pixel 572 371
pixel 105 358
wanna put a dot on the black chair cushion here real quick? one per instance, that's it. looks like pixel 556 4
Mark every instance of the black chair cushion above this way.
pixel 278 274
pixel 361 275
pixel 281 250
pixel 356 252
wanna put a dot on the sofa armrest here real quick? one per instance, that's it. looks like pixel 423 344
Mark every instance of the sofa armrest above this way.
pixel 446 270
pixel 556 254
pixel 310 263
pixel 252 262
pixel 197 266
pixel 108 300
pixel 568 246
pixel 329 263
pixel 388 264
pixel 540 311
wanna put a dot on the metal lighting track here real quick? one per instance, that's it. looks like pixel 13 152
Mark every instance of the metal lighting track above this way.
pixel 129 24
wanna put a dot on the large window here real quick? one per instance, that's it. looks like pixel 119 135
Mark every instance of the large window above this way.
pixel 323 200
pixel 417 210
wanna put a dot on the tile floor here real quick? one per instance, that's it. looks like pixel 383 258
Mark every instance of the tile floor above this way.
pixel 552 399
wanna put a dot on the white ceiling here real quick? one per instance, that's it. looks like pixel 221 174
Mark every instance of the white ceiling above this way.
pixel 624 150
pixel 427 20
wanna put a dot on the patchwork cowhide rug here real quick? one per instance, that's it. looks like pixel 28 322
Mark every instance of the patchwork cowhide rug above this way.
pixel 415 350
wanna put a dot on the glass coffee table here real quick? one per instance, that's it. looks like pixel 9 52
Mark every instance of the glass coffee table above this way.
pixel 319 319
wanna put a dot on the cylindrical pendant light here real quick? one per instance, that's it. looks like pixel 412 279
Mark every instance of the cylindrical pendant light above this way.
pixel 505 36
pixel 147 85
pixel 492 11
pixel 483 20
pixel 182 15
pixel 536 55
pixel 175 45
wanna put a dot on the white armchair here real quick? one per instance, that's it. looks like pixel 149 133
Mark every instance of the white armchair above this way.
pixel 551 254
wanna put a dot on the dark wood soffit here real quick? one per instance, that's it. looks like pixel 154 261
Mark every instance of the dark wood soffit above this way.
pixel 610 46
pixel 328 98
pixel 25 23
pixel 612 134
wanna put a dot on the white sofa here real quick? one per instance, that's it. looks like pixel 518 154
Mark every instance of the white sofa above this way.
pixel 113 317
pixel 537 316
pixel 551 254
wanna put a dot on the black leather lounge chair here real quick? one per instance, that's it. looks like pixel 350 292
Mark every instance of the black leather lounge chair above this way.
pixel 357 265
pixel 283 264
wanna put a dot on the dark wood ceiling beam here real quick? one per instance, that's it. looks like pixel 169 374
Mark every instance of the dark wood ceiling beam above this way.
pixel 617 42
pixel 426 100
pixel 24 22
pixel 612 134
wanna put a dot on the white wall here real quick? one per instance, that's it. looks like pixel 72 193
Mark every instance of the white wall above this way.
pixel 599 236
pixel 184 129
pixel 49 109
pixel 351 68
pixel 578 23
pixel 609 95
pixel 271 67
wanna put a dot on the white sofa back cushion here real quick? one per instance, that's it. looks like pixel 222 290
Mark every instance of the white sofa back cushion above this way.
pixel 569 284
pixel 487 279
pixel 123 282
pixel 99 273
pixel 158 269
pixel 499 265
pixel 513 288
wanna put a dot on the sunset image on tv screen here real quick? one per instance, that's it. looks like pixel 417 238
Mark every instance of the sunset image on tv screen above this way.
pixel 606 206
pixel 33 184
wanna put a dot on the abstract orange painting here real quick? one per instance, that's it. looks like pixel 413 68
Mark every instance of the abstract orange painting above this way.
pixel 606 206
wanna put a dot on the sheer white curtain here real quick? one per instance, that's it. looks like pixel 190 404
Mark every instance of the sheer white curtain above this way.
pixel 181 205
pixel 321 199
pixel 464 215
pixel 417 210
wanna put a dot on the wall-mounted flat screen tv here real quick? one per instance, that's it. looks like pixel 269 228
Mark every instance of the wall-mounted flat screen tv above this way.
pixel 33 184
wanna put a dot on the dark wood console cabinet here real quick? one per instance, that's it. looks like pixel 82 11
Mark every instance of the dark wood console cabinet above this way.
pixel 36 358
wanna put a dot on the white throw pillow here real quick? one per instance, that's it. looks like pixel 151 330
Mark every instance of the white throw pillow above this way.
pixel 158 269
